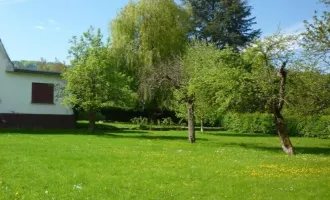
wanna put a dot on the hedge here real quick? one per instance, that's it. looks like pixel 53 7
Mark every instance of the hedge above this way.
pixel 301 126
pixel 309 126
pixel 249 123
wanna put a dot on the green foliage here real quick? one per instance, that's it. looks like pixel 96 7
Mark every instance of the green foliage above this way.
pixel 249 123
pixel 223 22
pixel 309 126
pixel 167 121
pixel 94 82
pixel 308 92
pixel 316 39
pixel 262 77
pixel 139 120
pixel 145 34
pixel 40 65
pixel 205 72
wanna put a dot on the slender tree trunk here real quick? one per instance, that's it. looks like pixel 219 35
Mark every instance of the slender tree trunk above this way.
pixel 91 128
pixel 282 133
pixel 202 126
pixel 277 108
pixel 191 121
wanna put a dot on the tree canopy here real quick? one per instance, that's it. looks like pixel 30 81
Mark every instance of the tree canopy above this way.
pixel 223 22
pixel 145 34
pixel 94 81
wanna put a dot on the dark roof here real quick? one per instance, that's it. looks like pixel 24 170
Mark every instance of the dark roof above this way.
pixel 36 71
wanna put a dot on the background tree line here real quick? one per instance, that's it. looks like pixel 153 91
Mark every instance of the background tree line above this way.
pixel 203 60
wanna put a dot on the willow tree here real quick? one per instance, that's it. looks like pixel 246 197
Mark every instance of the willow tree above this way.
pixel 145 34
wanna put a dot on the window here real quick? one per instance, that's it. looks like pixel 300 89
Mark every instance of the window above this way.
pixel 43 93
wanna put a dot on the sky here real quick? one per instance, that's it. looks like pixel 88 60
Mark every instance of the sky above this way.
pixel 31 29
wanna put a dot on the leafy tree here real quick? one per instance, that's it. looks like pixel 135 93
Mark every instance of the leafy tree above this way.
pixel 223 22
pixel 195 79
pixel 255 80
pixel 316 39
pixel 94 82
pixel 309 92
pixel 270 60
pixel 145 34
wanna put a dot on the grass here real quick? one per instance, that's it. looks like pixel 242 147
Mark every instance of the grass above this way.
pixel 159 165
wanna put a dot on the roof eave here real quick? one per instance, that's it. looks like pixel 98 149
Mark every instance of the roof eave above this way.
pixel 36 71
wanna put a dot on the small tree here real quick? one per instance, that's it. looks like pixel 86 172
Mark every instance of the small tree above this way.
pixel 194 79
pixel 269 60
pixel 94 82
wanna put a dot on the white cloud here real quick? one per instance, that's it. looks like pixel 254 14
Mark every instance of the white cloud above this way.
pixel 52 22
pixel 40 28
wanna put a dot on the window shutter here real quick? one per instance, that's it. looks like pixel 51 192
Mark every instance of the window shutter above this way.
pixel 42 93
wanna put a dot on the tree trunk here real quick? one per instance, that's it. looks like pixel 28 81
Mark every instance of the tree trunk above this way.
pixel 282 133
pixel 277 108
pixel 191 121
pixel 91 128
pixel 202 126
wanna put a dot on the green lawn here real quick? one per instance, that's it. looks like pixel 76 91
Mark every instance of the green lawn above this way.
pixel 159 165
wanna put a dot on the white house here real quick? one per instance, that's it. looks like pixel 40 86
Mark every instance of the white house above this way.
pixel 28 98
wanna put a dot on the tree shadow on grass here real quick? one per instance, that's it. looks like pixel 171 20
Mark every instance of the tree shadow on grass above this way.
pixel 225 134
pixel 148 136
pixel 298 149
pixel 68 131
pixel 116 134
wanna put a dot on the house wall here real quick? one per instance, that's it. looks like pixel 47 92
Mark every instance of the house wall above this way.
pixel 16 94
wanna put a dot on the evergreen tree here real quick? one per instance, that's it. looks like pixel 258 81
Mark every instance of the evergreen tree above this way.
pixel 223 22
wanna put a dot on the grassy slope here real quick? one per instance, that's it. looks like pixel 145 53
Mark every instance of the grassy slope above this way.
pixel 160 165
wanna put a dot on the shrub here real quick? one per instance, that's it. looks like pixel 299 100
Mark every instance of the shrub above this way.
pixel 167 121
pixel 140 121
pixel 302 126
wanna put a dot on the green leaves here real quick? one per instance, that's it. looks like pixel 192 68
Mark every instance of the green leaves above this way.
pixel 222 22
pixel 145 34
pixel 94 81
pixel 316 39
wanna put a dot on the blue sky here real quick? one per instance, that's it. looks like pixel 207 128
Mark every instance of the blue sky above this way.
pixel 31 29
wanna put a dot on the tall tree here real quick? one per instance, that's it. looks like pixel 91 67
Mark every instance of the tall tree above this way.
pixel 145 34
pixel 223 22
pixel 94 81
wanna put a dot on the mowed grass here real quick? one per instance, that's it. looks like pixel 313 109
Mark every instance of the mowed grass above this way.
pixel 159 165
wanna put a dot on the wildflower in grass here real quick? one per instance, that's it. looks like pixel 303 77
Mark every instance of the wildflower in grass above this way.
pixel 78 186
